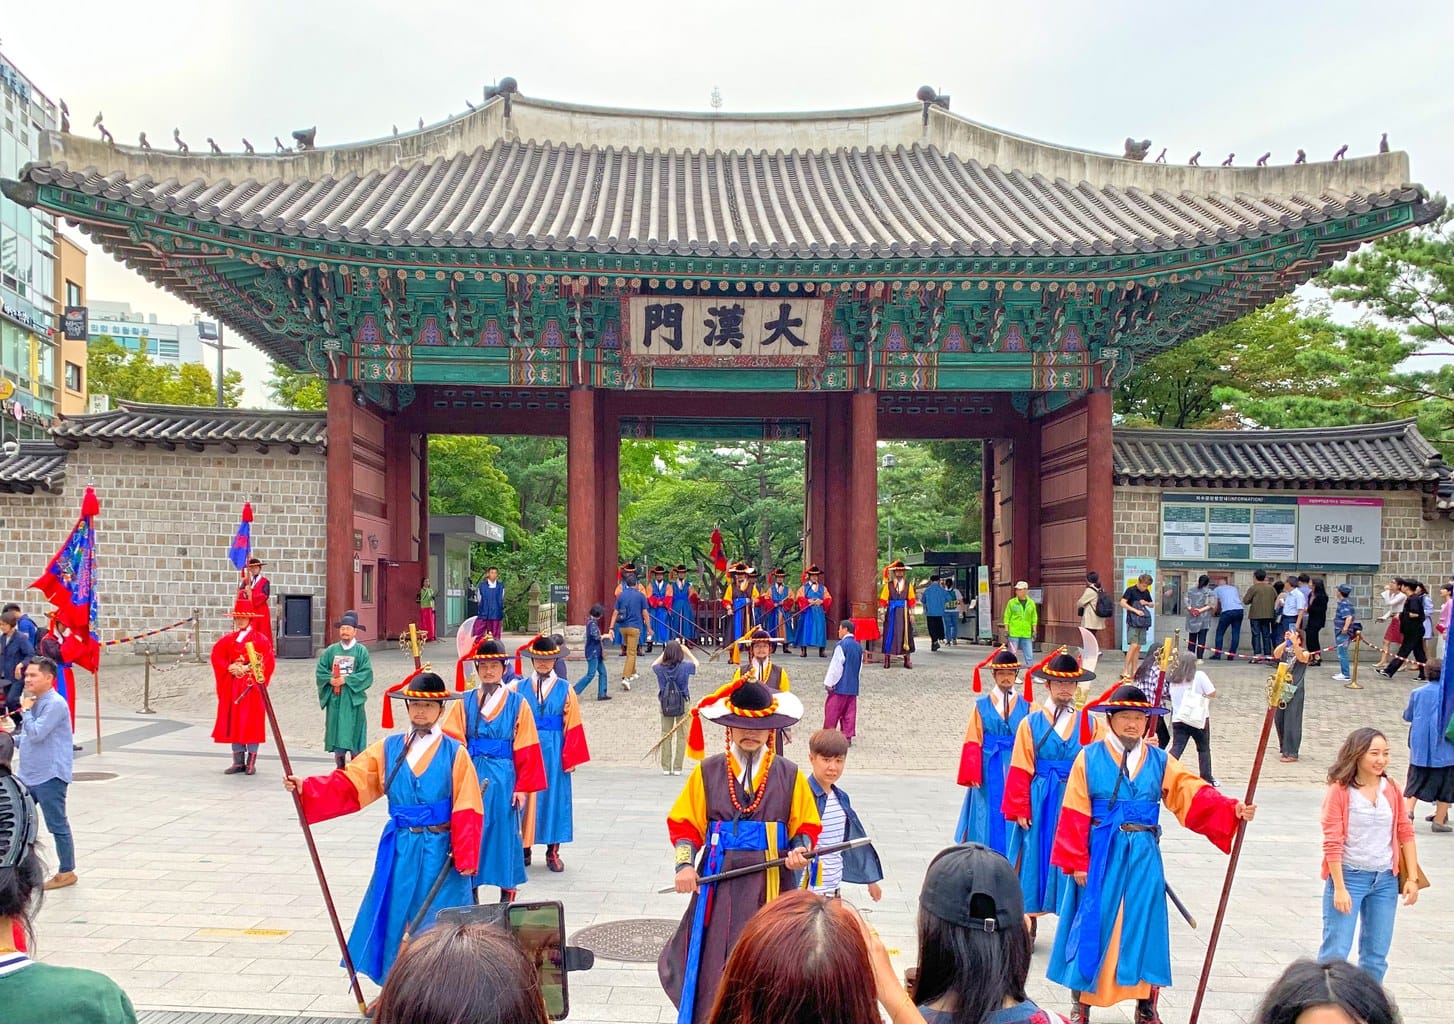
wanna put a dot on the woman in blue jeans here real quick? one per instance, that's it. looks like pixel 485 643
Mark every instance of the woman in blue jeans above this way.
pixel 1366 837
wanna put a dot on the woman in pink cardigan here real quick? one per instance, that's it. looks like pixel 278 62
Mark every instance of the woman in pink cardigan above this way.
pixel 1365 837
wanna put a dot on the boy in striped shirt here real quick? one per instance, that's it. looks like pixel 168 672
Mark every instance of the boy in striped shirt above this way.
pixel 827 754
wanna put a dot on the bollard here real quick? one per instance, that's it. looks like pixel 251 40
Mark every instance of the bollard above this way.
pixel 146 708
pixel 197 634
pixel 1357 643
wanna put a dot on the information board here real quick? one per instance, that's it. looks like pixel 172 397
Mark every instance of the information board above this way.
pixel 1232 530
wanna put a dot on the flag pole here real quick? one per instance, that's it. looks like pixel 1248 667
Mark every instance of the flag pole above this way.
pixel 96 690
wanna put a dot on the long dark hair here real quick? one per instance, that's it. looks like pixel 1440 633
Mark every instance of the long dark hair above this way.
pixel 801 959
pixel 1344 770
pixel 978 969
pixel 1307 984
pixel 453 973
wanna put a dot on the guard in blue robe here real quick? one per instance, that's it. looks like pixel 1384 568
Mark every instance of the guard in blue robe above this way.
pixel 812 613
pixel 548 814
pixel 777 604
pixel 658 600
pixel 683 610
pixel 984 761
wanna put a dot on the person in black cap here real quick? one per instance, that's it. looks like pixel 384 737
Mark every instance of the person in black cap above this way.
pixel 344 674
pixel 740 807
pixel 1114 943
pixel 974 952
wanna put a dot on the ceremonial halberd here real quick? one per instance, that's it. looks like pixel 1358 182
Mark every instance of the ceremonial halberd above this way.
pixel 546 268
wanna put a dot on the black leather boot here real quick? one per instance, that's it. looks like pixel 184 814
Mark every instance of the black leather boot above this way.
pixel 1079 1012
pixel 1146 1008
pixel 239 765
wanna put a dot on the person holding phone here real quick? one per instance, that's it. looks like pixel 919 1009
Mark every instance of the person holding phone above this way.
pixel 435 814
pixel 741 807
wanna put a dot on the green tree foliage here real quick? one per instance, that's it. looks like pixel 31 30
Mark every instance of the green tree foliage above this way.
pixel 960 489
pixel 297 389
pixel 135 377
pixel 912 513
pixel 1257 354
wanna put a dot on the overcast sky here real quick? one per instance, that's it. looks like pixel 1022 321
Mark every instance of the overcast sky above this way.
pixel 1243 77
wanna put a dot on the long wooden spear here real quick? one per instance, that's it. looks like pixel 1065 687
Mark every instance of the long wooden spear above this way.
pixel 1274 701
pixel 313 853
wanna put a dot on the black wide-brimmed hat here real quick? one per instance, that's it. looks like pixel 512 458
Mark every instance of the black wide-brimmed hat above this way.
pixel 751 705
pixel 658 570
pixel 756 635
pixel 543 647
pixel 1065 668
pixel 1127 697
pixel 813 570
pixel 421 685
pixel 679 568
pixel 350 618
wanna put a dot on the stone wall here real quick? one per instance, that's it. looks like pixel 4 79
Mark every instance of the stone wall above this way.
pixel 1410 546
pixel 167 519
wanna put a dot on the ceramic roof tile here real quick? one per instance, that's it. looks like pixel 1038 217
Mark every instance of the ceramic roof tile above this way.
pixel 1351 456
pixel 36 465
pixel 848 202
pixel 194 427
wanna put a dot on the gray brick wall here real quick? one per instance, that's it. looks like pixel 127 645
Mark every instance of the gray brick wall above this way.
pixel 166 521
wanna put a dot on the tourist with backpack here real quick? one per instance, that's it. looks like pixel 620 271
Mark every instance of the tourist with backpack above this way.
pixel 674 669
pixel 1096 608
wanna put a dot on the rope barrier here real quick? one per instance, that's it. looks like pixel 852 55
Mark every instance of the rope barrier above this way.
pixel 1406 662
pixel 1234 656
pixel 151 632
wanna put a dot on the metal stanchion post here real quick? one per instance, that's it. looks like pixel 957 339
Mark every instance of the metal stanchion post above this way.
pixel 1357 643
pixel 146 708
pixel 197 634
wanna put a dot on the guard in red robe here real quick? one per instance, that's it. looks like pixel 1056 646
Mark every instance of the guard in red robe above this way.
pixel 241 719
pixel 259 594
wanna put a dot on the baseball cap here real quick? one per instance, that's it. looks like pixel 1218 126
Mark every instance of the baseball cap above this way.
pixel 1022 585
pixel 975 887
pixel 1344 589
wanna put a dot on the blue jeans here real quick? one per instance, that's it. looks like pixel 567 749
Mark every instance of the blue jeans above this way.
pixel 1229 620
pixel 594 667
pixel 1262 637
pixel 1026 647
pixel 1375 898
pixel 1342 641
pixel 51 796
pixel 951 626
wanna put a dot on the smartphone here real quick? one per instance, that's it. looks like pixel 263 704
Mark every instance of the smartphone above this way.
pixel 539 928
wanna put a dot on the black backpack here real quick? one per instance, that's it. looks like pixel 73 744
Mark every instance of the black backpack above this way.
pixel 1105 608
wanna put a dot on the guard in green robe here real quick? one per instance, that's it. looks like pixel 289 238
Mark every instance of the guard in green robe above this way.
pixel 344 676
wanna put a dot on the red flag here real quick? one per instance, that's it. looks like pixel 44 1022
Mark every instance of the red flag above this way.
pixel 69 583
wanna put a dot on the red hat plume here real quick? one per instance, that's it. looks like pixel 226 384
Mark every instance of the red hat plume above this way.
pixel 1085 727
pixel 388 719
pixel 1030 674
pixel 978 682
pixel 247 511
pixel 90 504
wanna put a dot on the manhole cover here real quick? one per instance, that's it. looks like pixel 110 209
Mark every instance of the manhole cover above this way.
pixel 637 941
pixel 93 776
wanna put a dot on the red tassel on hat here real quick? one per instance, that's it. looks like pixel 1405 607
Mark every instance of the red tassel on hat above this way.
pixel 388 718
pixel 1030 675
pixel 90 504
pixel 1085 728
pixel 978 684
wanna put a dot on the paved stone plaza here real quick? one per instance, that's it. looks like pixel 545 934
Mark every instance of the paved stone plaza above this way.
pixel 196 892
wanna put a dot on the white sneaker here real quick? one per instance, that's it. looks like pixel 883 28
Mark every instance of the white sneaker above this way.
pixel 626 683
pixel 1340 677
pixel 677 772
pixel 665 772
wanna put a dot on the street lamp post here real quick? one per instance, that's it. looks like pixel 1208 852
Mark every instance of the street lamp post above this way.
pixel 221 347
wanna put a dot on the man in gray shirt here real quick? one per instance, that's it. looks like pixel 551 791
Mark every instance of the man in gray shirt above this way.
pixel 46 759
pixel 1229 616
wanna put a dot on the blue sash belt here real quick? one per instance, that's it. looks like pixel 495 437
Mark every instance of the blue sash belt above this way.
pixel 402 816
pixel 1106 822
pixel 1054 772
pixel 721 837
pixel 550 723
pixel 487 746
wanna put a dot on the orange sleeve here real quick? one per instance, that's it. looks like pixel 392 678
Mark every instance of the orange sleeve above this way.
pixel 453 722
pixel 971 754
pixel 1071 851
pixel 467 819
pixel 1016 803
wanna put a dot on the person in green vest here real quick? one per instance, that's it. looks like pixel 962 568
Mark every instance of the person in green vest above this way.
pixel 426 611
pixel 344 676
pixel 1021 620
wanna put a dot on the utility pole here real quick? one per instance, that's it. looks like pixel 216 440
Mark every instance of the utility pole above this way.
pixel 221 348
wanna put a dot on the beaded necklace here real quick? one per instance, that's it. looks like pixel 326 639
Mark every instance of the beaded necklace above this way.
pixel 761 785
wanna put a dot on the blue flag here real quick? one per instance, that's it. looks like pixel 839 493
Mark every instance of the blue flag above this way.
pixel 69 583
pixel 242 539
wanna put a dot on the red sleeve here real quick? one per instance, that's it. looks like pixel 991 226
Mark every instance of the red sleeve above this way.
pixel 684 832
pixel 827 600
pixel 971 765
pixel 1214 816
pixel 1016 803
pixel 529 769
pixel 328 796
pixel 1071 851
pixel 574 752
pixel 466 827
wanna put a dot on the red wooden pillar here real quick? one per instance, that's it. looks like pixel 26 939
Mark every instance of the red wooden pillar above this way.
pixel 608 497
pixel 862 554
pixel 338 549
pixel 832 556
pixel 582 559
pixel 1026 496
pixel 1100 498
pixel 426 553
pixel 818 494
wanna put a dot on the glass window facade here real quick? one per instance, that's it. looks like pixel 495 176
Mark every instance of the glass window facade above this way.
pixel 28 342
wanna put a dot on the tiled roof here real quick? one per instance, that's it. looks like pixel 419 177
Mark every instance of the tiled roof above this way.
pixel 1353 456
pixel 875 202
pixel 36 465
pixel 192 427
